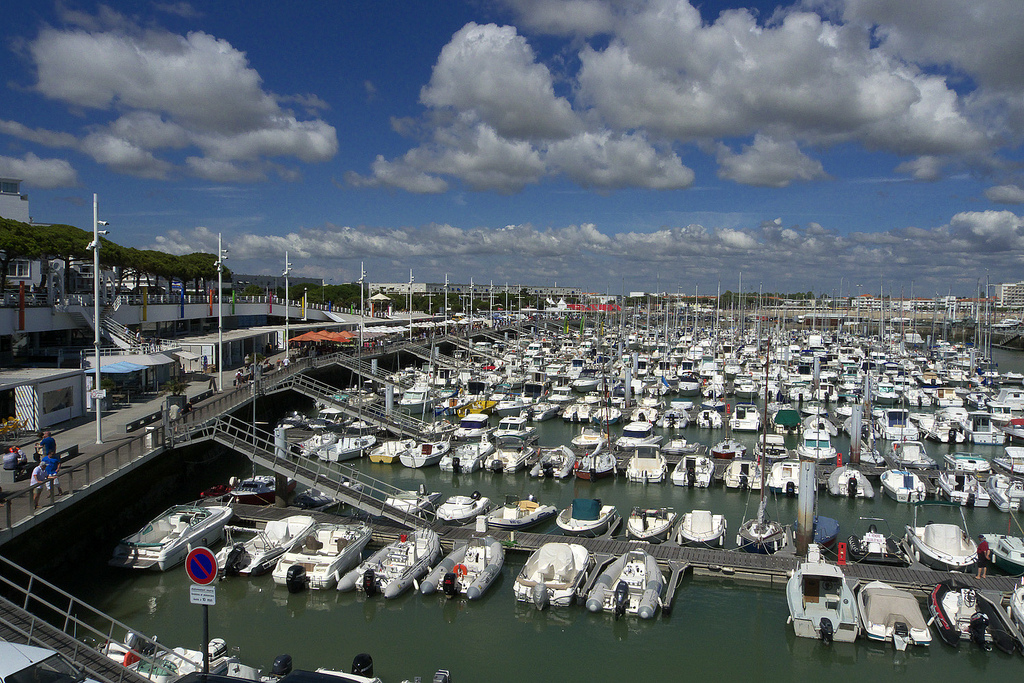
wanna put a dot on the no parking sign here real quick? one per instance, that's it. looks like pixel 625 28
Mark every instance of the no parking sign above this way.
pixel 201 566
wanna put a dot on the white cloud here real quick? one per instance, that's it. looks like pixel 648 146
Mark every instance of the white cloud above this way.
pixel 768 163
pixel 922 168
pixel 610 161
pixel 41 173
pixel 1006 194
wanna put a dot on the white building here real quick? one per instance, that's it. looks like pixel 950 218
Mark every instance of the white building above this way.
pixel 13 204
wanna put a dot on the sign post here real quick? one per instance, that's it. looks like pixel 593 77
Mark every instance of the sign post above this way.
pixel 201 566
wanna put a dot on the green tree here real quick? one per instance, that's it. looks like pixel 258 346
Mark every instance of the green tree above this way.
pixel 17 240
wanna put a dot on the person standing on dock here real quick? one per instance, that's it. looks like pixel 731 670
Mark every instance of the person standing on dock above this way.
pixel 51 463
pixel 38 478
pixel 984 557
pixel 49 444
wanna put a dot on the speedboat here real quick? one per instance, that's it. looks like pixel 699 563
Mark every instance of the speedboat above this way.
pixel 347 448
pixel 893 615
pixel 903 486
pixel 1012 462
pixel 157 664
pixel 874 547
pixel 511 454
pixel 596 464
pixel 742 474
pixel 391 450
pixel 466 457
pixel 821 602
pixel 605 415
pixel 632 584
pixel 463 509
pixel 321 557
pixel 590 438
pixel 680 446
pixel 414 501
pixel 967 462
pixel 963 488
pixel 946 547
pixel 417 399
pixel 163 543
pixel 519 513
pixel 586 517
pixel 849 482
pixel 541 411
pixel 553 575
pixel 637 434
pixel 1005 492
pixel 1007 552
pixel 745 418
pixel 252 551
pixel 554 462
pixel 651 525
pixel 515 425
pixel 392 569
pixel 893 424
pixel 472 426
pixel 771 448
pixel 647 465
pixel 963 613
pixel 816 444
pixel 694 471
pixel 674 418
pixel 910 455
pixel 426 454
pixel 701 528
pixel 784 477
pixel 468 570
pixel 709 419
pixel 727 449
pixel 257 490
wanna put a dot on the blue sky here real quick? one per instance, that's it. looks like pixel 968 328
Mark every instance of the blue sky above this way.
pixel 604 144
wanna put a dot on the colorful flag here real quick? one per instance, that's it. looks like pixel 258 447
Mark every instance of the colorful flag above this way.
pixel 232 301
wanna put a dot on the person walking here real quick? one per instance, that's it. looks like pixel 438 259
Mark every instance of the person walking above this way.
pixel 48 444
pixel 984 557
pixel 51 463
pixel 38 479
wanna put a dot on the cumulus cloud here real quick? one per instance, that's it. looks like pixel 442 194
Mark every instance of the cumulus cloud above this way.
pixel 1006 194
pixel 41 173
pixel 922 168
pixel 768 163
pixel 169 92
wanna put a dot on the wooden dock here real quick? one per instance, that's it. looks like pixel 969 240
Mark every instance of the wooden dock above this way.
pixel 772 570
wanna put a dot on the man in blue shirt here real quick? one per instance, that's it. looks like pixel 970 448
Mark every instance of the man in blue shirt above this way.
pixel 48 443
pixel 52 464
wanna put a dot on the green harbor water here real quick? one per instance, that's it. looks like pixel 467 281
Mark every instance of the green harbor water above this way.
pixel 719 630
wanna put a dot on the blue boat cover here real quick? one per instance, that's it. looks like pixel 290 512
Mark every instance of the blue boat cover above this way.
pixel 587 509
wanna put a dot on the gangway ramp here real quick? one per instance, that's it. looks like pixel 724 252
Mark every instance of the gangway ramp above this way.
pixel 432 356
pixel 367 370
pixel 345 483
pixel 472 348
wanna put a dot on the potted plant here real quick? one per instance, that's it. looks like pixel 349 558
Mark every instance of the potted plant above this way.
pixel 175 390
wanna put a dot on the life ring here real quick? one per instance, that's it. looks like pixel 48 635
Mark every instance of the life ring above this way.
pixel 576 465
pixel 130 657
pixel 460 570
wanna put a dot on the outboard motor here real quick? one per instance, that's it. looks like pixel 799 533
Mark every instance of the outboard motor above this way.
pixel 369 583
pixel 790 489
pixel 826 630
pixel 900 635
pixel 282 665
pixel 977 629
pixel 548 469
pixel 296 580
pixel 362 665
pixel 496 466
pixel 450 584
pixel 851 487
pixel 621 598
pixel 443 676
pixel 234 561
pixel 691 472
pixel 456 464
pixel 743 481
pixel 540 596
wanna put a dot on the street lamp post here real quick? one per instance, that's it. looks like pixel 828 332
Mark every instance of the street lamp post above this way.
pixel 410 304
pixel 221 256
pixel 95 246
pixel 446 303
pixel 287 304
pixel 362 311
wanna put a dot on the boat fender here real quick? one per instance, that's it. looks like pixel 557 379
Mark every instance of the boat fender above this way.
pixel 296 579
pixel 282 665
pixel 826 630
pixel 621 598
pixel 450 584
pixel 596 600
pixel 362 665
pixel 369 582
pixel 460 570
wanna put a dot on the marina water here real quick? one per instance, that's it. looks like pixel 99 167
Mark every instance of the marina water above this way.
pixel 719 629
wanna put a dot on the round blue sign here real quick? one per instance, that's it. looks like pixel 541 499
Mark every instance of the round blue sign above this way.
pixel 201 566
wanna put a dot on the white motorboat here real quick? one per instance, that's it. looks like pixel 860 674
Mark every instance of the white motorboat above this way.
pixel 260 489
pixel 586 517
pixel 418 399
pixel 894 425
pixel 946 547
pixel 632 584
pixel 391 450
pixel 347 448
pixel 742 473
pixel 701 528
pixel 745 418
pixel 311 446
pixel 963 488
pixel 605 415
pixel 850 482
pixel 519 513
pixel 821 601
pixel 472 426
pixel 637 434
pixel 816 444
pixel 651 525
pixel 510 405
pixel 694 471
pixel 515 425
pixel 468 570
pixel 771 448
pixel 590 438
pixel 159 665
pixel 893 615
pixel 727 449
pixel 392 569
pixel 464 509
pixel 903 486
pixel 467 457
pixel 415 501
pixel 426 454
pixel 556 463
pixel 647 465
pixel 709 419
pixel 511 454
pixel 674 418
pixel 541 411
pixel 164 542
pixel 981 429
pixel 320 558
pixel 1007 552
pixel 1012 460
pixel 967 462
pixel 680 446
pixel 1017 604
pixel 910 455
pixel 784 477
pixel 1006 493
pixel 553 575
pixel 595 464
pixel 251 551
pixel 963 613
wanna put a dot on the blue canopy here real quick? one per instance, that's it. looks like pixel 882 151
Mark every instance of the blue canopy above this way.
pixel 121 368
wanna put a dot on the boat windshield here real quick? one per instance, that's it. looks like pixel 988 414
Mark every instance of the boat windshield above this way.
pixel 53 669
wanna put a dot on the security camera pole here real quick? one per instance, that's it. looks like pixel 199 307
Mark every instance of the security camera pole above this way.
pixel 97 395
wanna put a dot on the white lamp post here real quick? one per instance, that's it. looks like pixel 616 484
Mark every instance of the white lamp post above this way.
pixel 222 254
pixel 95 246
pixel 287 303
pixel 362 277
pixel 410 304
pixel 446 303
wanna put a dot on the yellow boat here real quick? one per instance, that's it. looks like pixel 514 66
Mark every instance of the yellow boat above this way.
pixel 482 406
